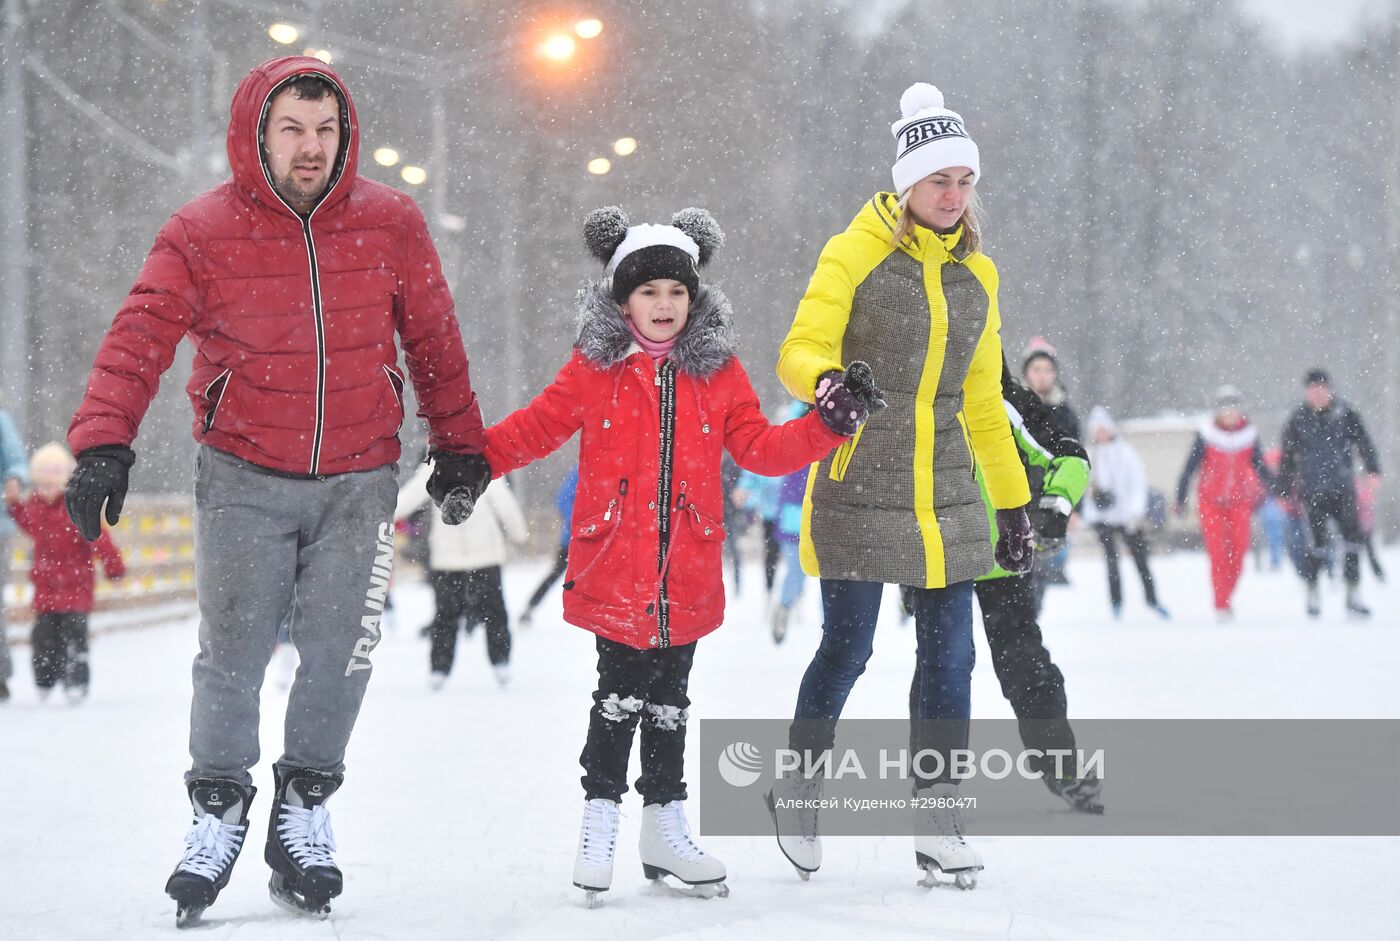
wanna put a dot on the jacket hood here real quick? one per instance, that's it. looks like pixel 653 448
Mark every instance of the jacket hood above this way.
pixel 704 346
pixel 1099 418
pixel 879 217
pixel 250 103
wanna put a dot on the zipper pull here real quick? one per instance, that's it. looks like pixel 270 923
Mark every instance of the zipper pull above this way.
pixel 607 514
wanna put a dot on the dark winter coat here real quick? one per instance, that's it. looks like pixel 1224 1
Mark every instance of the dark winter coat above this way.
pixel 644 564
pixel 293 319
pixel 1317 448
pixel 62 572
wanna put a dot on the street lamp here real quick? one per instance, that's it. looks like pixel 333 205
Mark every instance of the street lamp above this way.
pixel 386 156
pixel 599 165
pixel 625 146
pixel 284 33
pixel 323 54
pixel 413 176
pixel 588 29
pixel 558 47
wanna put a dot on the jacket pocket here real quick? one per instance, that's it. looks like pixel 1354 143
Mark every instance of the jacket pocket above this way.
pixel 215 393
pixel 395 383
pixel 592 537
pixel 842 456
pixel 695 565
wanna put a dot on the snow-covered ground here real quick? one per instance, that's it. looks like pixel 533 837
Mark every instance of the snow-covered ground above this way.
pixel 459 815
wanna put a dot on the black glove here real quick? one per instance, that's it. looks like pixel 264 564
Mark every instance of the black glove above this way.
pixel 838 406
pixel 1050 521
pixel 457 482
pixel 100 477
pixel 1102 499
pixel 861 381
pixel 1013 550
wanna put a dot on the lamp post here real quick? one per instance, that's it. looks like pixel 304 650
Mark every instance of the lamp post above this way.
pixel 14 223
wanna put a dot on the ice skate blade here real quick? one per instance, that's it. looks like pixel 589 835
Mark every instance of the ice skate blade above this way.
pixel 694 890
pixel 964 879
pixel 187 916
pixel 592 898
pixel 285 898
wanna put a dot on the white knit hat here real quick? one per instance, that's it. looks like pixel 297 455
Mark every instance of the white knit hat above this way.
pixel 929 138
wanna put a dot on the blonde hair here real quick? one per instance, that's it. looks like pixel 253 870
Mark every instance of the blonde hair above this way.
pixel 972 230
pixel 52 453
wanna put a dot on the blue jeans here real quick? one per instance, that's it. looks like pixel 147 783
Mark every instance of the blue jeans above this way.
pixel 793 578
pixel 943 628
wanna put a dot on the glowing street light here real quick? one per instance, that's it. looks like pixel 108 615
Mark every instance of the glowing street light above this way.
pixel 588 29
pixel 386 156
pixel 599 165
pixel 285 33
pixel 558 47
pixel 323 54
pixel 625 146
pixel 413 176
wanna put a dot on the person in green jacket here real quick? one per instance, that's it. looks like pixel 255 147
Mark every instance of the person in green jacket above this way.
pixel 1029 679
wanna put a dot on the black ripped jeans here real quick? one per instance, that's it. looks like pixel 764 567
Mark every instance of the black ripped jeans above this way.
pixel 646 686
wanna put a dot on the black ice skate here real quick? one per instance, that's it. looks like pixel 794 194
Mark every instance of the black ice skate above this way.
pixel 211 846
pixel 300 842
pixel 1080 793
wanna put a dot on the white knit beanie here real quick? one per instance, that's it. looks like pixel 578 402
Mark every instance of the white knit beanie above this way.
pixel 929 138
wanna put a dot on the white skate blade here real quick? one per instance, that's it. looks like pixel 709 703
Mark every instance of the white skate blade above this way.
pixel 963 878
pixel 184 917
pixel 592 898
pixel 695 890
pixel 803 872
pixel 289 901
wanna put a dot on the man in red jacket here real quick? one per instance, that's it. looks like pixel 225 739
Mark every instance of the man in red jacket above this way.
pixel 291 279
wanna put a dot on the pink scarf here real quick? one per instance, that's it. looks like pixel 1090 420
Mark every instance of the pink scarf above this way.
pixel 656 351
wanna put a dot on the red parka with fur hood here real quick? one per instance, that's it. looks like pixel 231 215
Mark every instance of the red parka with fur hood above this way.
pixel 644 564
pixel 292 318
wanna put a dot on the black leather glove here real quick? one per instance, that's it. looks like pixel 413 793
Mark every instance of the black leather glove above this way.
pixel 860 379
pixel 1050 521
pixel 837 405
pixel 100 477
pixel 1013 550
pixel 457 482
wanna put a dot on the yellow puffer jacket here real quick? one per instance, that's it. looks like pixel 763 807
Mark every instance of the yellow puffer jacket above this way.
pixel 900 502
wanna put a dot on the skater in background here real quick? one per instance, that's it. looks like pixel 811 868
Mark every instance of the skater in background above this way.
pixel 1272 514
pixel 12 467
pixel 464 569
pixel 657 394
pixel 736 520
pixel 1029 679
pixel 758 496
pixel 298 403
pixel 1116 507
pixel 899 504
pixel 61 572
pixel 1040 371
pixel 1317 470
pixel 1366 516
pixel 564 503
pixel 1226 451
pixel 787 531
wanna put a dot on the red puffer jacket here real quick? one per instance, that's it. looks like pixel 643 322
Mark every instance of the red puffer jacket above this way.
pixel 620 584
pixel 293 319
pixel 1228 475
pixel 62 571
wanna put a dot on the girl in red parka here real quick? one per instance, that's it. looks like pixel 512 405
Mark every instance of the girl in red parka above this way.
pixel 62 574
pixel 656 392
pixel 1232 467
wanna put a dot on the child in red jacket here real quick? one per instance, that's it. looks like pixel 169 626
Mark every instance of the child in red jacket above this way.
pixel 62 574
pixel 656 392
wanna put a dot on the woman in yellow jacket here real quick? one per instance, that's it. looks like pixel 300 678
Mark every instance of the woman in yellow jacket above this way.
pixel 907 290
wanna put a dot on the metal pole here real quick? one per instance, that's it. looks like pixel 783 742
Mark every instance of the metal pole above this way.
pixel 1389 436
pixel 202 171
pixel 14 224
pixel 437 196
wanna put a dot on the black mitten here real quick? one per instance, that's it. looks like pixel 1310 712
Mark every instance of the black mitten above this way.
pixel 456 483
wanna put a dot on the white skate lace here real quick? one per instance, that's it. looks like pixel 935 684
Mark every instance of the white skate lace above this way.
pixel 210 846
pixel 675 830
pixel 599 832
pixel 948 822
pixel 307 835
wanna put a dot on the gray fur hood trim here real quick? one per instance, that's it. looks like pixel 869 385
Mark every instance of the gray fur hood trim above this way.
pixel 703 348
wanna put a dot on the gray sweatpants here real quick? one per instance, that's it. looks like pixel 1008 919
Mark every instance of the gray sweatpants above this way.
pixel 7 668
pixel 265 545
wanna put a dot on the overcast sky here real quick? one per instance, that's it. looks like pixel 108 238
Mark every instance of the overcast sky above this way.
pixel 1309 22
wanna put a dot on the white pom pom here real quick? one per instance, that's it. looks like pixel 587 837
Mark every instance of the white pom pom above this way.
pixel 921 96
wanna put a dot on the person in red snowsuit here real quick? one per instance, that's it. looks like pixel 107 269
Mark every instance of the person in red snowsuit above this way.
pixel 62 574
pixel 1226 452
